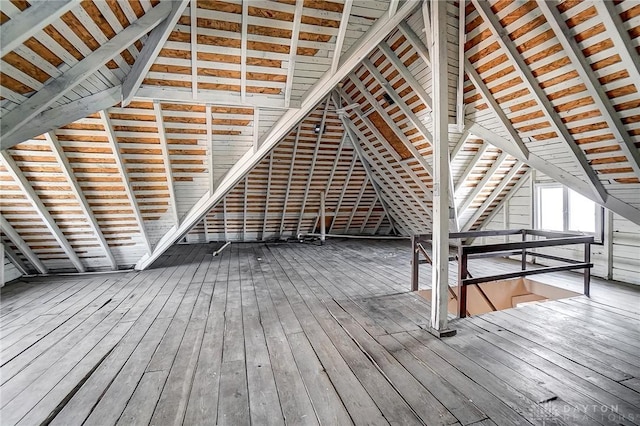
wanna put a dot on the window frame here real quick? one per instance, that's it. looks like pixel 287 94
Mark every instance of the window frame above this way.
pixel 598 234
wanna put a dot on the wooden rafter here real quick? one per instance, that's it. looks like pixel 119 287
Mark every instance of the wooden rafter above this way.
pixel 365 44
pixel 365 164
pixel 56 117
pixel 24 248
pixel 31 21
pixel 369 211
pixel 122 169
pixel 595 89
pixel 495 107
pixel 406 75
pixel 41 209
pixel 293 52
pixel 505 200
pixel 343 192
pixel 357 203
pixel 415 42
pixel 342 32
pixel 383 180
pixel 245 194
pixel 243 50
pixel 57 88
pixel 381 165
pixel 67 171
pixel 472 164
pixel 556 173
pixel 193 16
pixel 492 197
pixel 336 160
pixel 463 139
pixel 166 160
pixel 392 125
pixel 154 43
pixel 487 176
pixel 268 195
pixel 291 166
pixel 484 9
pixel 624 46
pixel 209 129
pixel 314 159
pixel 15 259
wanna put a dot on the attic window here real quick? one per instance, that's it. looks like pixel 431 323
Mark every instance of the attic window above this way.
pixel 389 99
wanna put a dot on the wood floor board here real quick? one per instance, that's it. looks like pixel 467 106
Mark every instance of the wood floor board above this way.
pixel 304 334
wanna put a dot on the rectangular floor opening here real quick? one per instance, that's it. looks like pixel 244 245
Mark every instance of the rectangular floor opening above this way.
pixel 504 294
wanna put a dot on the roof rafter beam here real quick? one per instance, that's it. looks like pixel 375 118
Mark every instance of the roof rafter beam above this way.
pixel 342 32
pixel 487 176
pixel 472 164
pixel 406 74
pixel 623 44
pixel 166 159
pixel 372 177
pixel 492 197
pixel 343 192
pixel 59 87
pixel 243 49
pixel 13 258
pixel 268 196
pixel 291 166
pixel 314 158
pixel 67 170
pixel 484 9
pixel 554 172
pixel 354 132
pixel 369 211
pixel 41 209
pixel 502 202
pixel 335 163
pixel 495 107
pixel 209 127
pixel 386 166
pixel 193 19
pixel 387 119
pixel 414 40
pixel 590 80
pixel 365 44
pixel 31 21
pixel 122 168
pixel 355 206
pixel 152 46
pixel 17 241
pixel 293 51
pixel 54 118
pixel 463 139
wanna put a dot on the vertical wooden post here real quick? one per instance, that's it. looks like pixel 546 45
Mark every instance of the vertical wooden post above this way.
pixel 415 263
pixel 440 267
pixel 523 262
pixel 587 271
pixel 462 289
pixel 323 223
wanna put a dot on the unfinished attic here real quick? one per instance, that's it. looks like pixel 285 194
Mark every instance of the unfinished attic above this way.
pixel 320 212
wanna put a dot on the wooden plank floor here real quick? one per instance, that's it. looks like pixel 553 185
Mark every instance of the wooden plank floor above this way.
pixel 303 334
